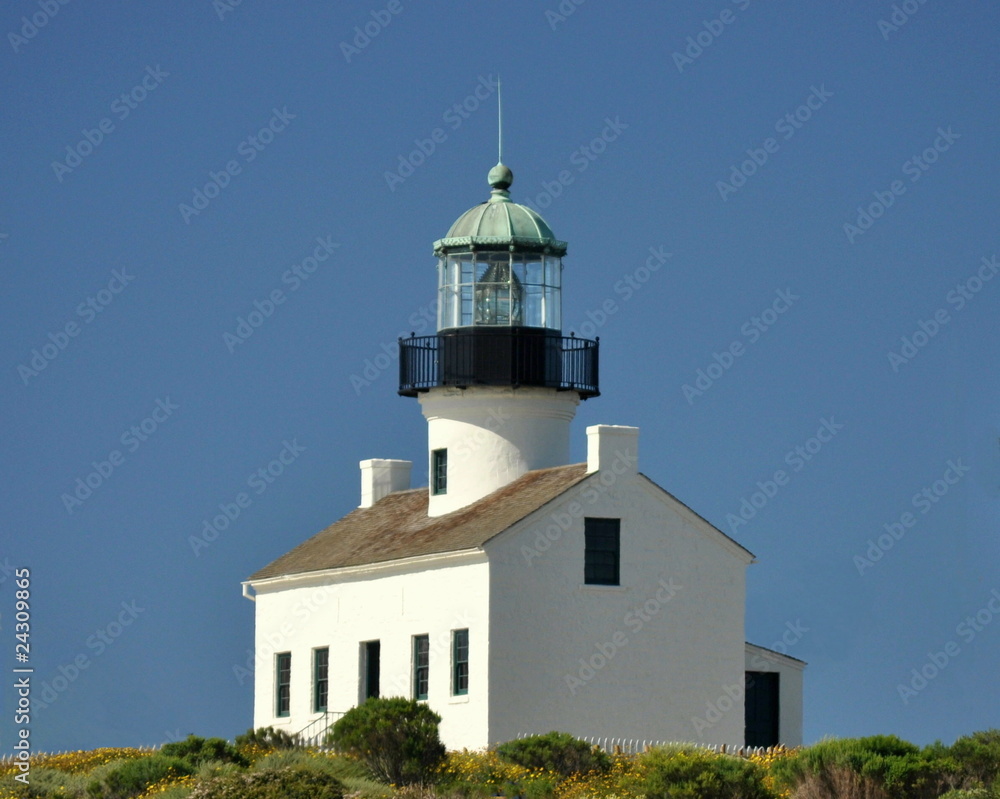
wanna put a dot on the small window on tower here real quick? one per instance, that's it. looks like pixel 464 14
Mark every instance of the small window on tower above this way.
pixel 439 471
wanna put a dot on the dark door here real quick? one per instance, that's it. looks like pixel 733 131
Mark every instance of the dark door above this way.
pixel 373 651
pixel 762 708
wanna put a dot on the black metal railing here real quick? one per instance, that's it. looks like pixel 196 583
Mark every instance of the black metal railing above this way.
pixel 514 356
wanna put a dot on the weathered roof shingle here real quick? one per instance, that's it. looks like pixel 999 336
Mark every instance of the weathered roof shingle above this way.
pixel 397 526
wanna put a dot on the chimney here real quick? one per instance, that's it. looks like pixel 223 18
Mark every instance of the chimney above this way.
pixel 612 447
pixel 380 477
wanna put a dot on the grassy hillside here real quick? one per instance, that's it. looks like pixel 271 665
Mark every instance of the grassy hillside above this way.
pixel 878 767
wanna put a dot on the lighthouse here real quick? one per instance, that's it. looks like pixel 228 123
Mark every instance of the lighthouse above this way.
pixel 517 592
pixel 498 383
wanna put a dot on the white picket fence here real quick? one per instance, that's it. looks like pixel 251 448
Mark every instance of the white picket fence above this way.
pixel 624 746
pixel 635 746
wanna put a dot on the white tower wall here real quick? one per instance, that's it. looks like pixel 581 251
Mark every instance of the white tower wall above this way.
pixel 494 435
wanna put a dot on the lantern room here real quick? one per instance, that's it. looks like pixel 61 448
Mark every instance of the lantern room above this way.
pixel 499 282
pixel 500 265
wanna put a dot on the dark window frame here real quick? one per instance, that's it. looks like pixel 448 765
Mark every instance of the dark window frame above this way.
pixel 321 679
pixel 602 551
pixel 283 684
pixel 439 471
pixel 460 662
pixel 421 666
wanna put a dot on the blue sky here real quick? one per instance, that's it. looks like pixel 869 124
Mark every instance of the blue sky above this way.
pixel 824 177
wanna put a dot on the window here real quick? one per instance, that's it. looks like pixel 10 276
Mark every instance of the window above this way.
pixel 460 662
pixel 421 665
pixel 283 684
pixel 321 679
pixel 602 551
pixel 370 653
pixel 439 471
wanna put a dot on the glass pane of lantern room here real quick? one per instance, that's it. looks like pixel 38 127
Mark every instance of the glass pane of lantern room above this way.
pixel 553 308
pixel 534 308
pixel 553 271
pixel 534 273
pixel 446 303
pixel 465 319
pixel 467 261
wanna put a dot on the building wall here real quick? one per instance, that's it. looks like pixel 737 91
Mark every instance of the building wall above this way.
pixel 790 673
pixel 640 660
pixel 390 605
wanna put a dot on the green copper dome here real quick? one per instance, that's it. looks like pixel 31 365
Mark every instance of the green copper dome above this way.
pixel 500 223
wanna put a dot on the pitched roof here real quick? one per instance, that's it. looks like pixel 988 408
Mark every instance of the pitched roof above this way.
pixel 397 526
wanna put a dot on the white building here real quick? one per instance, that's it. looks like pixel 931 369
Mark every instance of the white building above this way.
pixel 517 593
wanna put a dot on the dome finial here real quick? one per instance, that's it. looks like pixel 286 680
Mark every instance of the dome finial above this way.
pixel 500 177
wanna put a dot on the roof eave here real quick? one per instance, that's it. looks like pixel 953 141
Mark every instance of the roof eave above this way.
pixel 459 557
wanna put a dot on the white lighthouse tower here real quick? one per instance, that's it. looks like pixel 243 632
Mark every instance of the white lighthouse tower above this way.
pixel 498 383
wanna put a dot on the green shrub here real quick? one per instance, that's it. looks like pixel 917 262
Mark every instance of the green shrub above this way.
pixel 678 773
pixel 132 777
pixel 886 764
pixel 555 751
pixel 351 773
pixel 396 738
pixel 978 756
pixel 285 783
pixel 197 750
pixel 267 738
pixel 50 782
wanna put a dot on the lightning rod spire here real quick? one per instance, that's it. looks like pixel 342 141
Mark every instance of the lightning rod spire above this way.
pixel 499 124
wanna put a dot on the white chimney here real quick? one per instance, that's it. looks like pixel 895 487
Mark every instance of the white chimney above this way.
pixel 612 447
pixel 380 477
